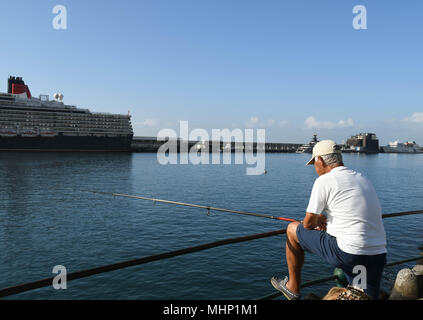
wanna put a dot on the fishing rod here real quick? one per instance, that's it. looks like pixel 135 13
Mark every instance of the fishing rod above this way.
pixel 208 208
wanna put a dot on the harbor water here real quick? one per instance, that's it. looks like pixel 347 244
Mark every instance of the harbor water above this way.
pixel 46 219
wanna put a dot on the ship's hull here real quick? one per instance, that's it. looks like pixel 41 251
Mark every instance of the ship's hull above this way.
pixel 63 143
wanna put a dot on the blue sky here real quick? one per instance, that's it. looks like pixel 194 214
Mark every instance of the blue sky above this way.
pixel 292 67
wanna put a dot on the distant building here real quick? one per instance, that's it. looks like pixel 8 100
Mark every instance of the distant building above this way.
pixel 363 142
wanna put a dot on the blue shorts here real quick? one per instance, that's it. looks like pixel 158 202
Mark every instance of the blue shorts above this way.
pixel 326 247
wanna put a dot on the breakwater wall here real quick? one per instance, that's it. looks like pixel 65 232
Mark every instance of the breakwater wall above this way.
pixel 152 144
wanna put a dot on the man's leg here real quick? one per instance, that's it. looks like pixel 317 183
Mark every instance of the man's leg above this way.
pixel 298 240
pixel 294 258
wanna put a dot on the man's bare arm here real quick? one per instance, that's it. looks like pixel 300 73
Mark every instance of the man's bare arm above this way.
pixel 313 221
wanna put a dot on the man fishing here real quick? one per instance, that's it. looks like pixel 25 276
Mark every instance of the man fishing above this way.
pixel 343 225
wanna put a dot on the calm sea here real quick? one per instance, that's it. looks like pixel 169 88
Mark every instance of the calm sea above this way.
pixel 46 220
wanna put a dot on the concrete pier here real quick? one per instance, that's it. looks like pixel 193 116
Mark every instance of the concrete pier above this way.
pixel 152 144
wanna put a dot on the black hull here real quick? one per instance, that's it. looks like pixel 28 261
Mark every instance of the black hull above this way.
pixel 66 143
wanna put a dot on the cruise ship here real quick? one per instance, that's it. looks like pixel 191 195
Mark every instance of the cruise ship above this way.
pixel 406 147
pixel 40 124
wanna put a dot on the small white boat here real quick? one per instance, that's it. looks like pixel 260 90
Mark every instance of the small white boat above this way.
pixel 308 148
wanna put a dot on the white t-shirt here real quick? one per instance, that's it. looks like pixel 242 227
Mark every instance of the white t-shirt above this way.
pixel 353 211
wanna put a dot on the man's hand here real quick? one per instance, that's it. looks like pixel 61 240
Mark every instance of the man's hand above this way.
pixel 321 222
pixel 315 221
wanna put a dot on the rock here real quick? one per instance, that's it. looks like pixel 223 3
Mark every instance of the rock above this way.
pixel 406 286
pixel 418 271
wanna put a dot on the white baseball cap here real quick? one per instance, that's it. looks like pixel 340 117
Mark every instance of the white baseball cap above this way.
pixel 323 148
